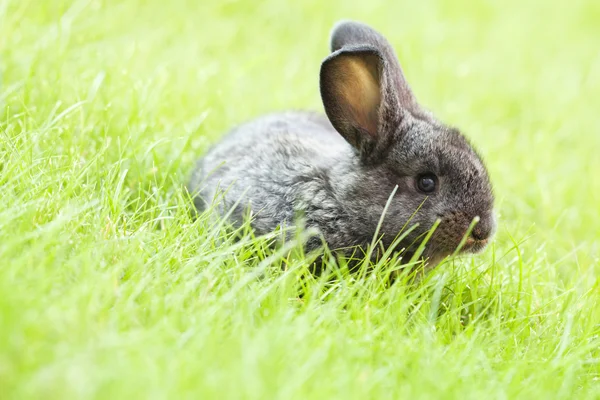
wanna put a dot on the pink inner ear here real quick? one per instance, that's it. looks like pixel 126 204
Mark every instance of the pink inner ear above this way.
pixel 359 92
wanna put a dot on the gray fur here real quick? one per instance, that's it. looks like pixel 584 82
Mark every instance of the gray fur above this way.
pixel 286 164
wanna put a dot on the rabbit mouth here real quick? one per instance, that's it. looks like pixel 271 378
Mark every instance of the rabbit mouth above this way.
pixel 474 245
pixel 436 251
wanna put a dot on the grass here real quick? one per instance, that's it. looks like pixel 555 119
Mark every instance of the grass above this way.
pixel 110 290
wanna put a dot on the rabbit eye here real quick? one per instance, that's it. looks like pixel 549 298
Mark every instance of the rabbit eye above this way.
pixel 426 183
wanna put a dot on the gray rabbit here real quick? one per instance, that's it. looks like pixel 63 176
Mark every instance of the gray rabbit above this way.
pixel 339 171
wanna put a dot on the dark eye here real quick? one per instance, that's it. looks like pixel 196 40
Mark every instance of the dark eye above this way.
pixel 426 183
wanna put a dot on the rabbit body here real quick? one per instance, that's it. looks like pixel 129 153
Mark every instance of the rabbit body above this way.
pixel 283 166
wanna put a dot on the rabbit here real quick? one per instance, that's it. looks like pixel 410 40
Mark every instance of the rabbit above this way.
pixel 339 170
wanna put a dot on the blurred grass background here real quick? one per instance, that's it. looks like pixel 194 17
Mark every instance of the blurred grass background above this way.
pixel 109 289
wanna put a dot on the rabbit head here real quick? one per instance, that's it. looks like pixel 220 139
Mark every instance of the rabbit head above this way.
pixel 399 145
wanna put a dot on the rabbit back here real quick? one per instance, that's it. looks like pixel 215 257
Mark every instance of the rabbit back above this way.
pixel 272 167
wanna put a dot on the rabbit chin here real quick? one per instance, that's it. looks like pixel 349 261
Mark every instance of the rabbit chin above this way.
pixel 434 254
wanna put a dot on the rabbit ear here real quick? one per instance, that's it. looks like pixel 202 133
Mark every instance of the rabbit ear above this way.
pixel 351 34
pixel 351 81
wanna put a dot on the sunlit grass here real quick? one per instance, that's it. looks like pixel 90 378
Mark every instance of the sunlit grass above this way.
pixel 109 287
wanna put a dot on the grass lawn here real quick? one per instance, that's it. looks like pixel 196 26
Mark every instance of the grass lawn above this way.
pixel 109 289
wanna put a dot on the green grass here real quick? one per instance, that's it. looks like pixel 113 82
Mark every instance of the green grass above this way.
pixel 108 289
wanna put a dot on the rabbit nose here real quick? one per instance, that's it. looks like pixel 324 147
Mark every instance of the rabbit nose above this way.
pixel 483 229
